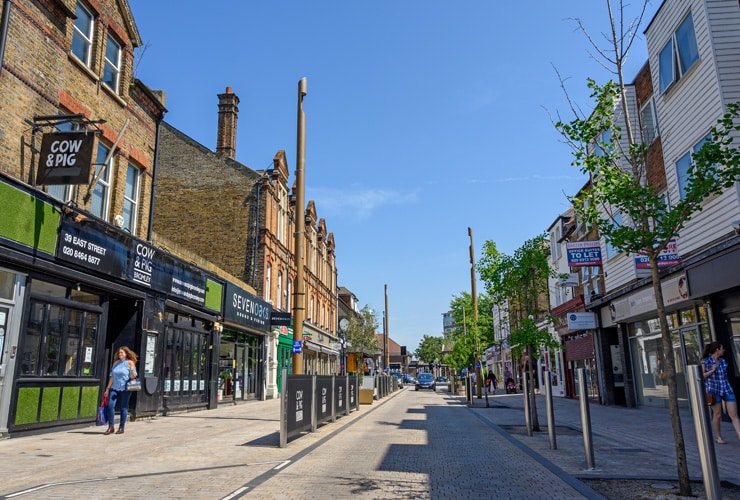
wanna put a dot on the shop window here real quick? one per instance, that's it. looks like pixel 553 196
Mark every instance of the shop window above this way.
pixel 59 339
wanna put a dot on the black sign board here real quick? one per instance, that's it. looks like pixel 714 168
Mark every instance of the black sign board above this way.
pixel 246 309
pixel 298 395
pixel 91 249
pixel 65 158
pixel 340 395
pixel 280 318
pixel 324 398
pixel 96 247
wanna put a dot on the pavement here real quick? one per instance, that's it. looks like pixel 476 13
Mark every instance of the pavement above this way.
pixel 407 445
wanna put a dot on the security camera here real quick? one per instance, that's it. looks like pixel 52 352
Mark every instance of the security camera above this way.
pixel 736 226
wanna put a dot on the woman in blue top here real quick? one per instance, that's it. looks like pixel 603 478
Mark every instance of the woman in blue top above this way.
pixel 123 370
pixel 716 382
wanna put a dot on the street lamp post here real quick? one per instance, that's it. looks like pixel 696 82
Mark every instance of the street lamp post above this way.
pixel 299 304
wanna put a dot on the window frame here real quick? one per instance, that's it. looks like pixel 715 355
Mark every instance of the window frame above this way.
pixel 684 164
pixel 609 250
pixel 679 54
pixel 131 200
pixel 85 38
pixel 650 131
pixel 112 69
pixel 103 183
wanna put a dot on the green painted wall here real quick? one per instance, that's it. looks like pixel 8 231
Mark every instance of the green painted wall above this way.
pixel 28 220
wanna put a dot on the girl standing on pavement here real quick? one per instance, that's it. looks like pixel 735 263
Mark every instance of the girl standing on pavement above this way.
pixel 123 370
pixel 716 382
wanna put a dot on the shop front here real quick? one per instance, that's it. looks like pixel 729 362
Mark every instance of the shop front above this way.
pixel 73 290
pixel 243 347
pixel 688 321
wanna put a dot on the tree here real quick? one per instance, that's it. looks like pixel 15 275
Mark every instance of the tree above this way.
pixel 469 339
pixel 430 349
pixel 519 284
pixel 630 213
pixel 361 330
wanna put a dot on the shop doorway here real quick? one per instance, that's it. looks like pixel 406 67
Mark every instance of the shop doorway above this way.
pixel 240 367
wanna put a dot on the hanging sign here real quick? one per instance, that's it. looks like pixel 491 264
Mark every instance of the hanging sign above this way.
pixel 65 158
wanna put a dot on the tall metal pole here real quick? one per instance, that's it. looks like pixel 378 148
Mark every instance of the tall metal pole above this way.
pixel 387 356
pixel 299 291
pixel 478 364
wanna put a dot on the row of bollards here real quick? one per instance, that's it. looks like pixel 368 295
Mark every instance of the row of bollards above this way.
pixel 699 410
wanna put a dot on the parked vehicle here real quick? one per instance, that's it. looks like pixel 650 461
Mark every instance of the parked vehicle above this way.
pixel 408 379
pixel 426 381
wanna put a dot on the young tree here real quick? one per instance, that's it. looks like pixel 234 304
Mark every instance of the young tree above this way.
pixel 361 330
pixel 469 339
pixel 609 149
pixel 519 284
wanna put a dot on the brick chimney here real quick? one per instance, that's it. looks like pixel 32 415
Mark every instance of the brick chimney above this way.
pixel 227 115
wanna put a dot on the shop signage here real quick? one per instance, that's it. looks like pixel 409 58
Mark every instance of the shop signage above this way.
pixel 92 249
pixel 98 248
pixel 583 253
pixel 65 158
pixel 246 309
pixel 280 318
pixel 581 321
pixel 668 257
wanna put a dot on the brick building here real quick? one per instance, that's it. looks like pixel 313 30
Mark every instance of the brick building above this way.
pixel 79 275
pixel 242 220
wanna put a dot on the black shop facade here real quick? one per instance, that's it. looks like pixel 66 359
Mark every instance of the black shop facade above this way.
pixel 73 289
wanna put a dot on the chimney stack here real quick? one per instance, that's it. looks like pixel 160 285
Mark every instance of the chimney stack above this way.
pixel 227 115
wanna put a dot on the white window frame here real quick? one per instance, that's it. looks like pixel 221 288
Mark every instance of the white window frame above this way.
pixel 288 296
pixel 268 272
pixel 101 191
pixel 684 164
pixel 112 66
pixel 649 122
pixel 610 250
pixel 79 36
pixel 131 199
pixel 678 55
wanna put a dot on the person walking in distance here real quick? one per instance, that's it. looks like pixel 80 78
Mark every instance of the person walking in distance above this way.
pixel 123 370
pixel 716 382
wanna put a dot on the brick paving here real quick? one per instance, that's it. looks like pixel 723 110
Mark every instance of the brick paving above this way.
pixel 408 445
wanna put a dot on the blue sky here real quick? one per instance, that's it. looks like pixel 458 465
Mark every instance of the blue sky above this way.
pixel 424 118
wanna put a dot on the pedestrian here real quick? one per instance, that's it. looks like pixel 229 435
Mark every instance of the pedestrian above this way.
pixel 717 384
pixel 123 370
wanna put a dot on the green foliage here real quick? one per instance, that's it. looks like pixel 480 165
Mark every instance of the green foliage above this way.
pixel 518 283
pixel 430 349
pixel 361 332
pixel 469 338
pixel 620 182
pixel 528 334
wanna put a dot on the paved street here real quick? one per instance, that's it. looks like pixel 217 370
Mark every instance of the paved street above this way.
pixel 408 445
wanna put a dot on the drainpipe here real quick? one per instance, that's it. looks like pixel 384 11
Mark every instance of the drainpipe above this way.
pixel 154 182
pixel 4 31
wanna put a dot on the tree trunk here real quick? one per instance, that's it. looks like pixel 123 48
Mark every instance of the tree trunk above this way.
pixel 530 386
pixel 670 371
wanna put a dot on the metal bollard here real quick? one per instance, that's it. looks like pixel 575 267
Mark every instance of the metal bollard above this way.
pixel 585 419
pixel 704 439
pixel 550 412
pixel 527 407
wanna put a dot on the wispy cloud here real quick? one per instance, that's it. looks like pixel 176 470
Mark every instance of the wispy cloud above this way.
pixel 358 201
pixel 526 178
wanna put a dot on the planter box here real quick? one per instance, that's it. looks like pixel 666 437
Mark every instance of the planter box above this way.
pixel 366 396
